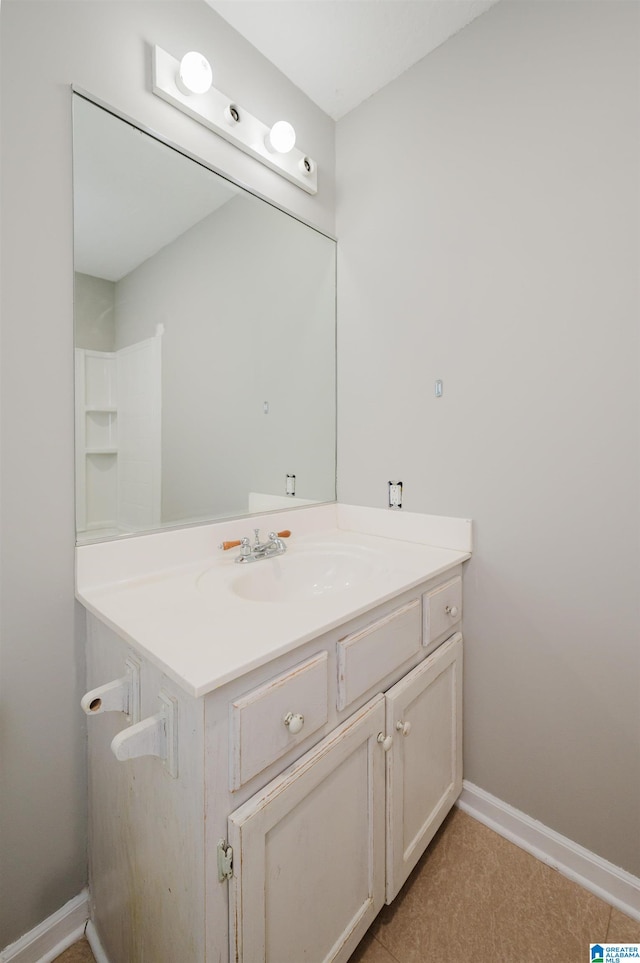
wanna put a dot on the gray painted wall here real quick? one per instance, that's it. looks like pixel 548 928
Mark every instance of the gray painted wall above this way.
pixel 501 255
pixel 94 300
pixel 247 301
pixel 102 47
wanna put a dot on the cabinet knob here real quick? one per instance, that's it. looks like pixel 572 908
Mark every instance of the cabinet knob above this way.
pixel 385 741
pixel 403 727
pixel 294 722
pixel 451 610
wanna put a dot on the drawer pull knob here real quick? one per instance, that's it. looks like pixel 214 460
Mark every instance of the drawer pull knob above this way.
pixel 452 610
pixel 294 722
pixel 385 741
pixel 403 727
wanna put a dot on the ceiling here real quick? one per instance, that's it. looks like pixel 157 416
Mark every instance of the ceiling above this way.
pixel 339 52
pixel 123 212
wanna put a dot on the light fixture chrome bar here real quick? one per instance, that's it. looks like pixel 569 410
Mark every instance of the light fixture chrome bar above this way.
pixel 227 119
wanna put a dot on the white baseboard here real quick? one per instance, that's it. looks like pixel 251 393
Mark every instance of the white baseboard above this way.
pixel 51 937
pixel 609 882
pixel 95 944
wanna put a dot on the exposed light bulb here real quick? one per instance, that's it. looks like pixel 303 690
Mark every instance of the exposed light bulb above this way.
pixel 281 138
pixel 194 74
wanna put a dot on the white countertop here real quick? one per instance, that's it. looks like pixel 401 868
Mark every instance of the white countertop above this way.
pixel 204 638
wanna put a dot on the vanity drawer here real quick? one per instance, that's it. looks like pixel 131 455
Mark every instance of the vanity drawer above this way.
pixel 442 610
pixel 258 732
pixel 366 657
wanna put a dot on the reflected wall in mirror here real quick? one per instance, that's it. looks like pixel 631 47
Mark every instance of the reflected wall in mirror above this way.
pixel 204 338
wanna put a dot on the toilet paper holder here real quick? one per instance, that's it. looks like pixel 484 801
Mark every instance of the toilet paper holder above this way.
pixel 121 695
pixel 156 735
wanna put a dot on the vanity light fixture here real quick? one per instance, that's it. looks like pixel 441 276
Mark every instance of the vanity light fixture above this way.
pixel 231 114
pixel 194 74
pixel 281 138
pixel 187 85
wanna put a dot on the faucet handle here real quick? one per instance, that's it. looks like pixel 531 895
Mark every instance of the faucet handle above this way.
pixel 243 542
pixel 285 534
pixel 225 546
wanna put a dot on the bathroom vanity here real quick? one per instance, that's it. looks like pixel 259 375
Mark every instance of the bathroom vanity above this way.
pixel 274 742
pixel 282 744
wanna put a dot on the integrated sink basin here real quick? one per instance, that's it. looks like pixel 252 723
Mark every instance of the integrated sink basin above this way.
pixel 204 620
pixel 300 575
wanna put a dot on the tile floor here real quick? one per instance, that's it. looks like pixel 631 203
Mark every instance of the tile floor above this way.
pixel 78 953
pixel 474 895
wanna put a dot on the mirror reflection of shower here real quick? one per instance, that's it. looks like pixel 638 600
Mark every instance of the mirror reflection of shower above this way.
pixel 118 439
pixel 205 341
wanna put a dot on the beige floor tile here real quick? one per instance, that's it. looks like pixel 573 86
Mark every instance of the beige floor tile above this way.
pixel 78 953
pixel 622 929
pixel 371 951
pixel 475 895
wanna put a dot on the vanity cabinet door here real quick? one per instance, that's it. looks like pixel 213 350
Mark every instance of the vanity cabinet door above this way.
pixel 308 851
pixel 424 767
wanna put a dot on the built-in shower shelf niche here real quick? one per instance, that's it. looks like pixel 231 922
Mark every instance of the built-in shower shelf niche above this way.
pixel 96 440
pixel 101 429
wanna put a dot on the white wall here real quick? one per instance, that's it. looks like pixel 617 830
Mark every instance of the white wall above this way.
pixel 94 312
pixel 103 47
pixel 246 298
pixel 490 239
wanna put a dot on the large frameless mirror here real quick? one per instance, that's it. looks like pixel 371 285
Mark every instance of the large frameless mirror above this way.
pixel 204 341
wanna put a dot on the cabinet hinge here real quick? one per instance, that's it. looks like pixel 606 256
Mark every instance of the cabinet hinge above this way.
pixel 225 861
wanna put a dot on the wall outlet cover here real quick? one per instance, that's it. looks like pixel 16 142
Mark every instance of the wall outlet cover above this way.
pixel 395 494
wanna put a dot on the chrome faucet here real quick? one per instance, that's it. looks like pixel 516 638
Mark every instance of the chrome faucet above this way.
pixel 273 546
pixel 254 552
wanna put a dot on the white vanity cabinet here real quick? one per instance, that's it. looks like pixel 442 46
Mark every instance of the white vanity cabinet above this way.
pixel 309 866
pixel 424 770
pixel 306 791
